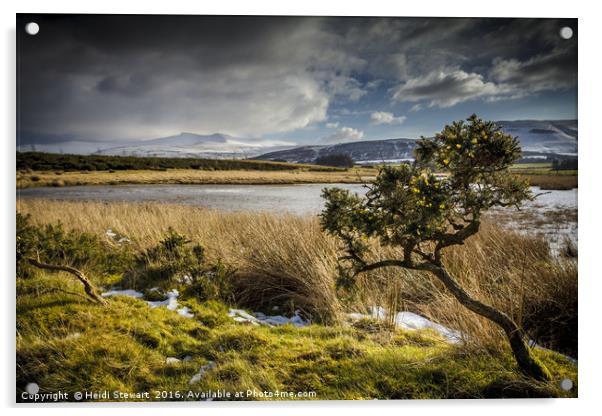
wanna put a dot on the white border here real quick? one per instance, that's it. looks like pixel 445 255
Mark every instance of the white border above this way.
pixel 590 151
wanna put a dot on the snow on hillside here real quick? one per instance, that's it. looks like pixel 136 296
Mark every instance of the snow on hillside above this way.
pixel 217 146
pixel 558 136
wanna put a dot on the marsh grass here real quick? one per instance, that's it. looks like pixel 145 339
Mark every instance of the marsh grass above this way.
pixel 287 261
pixel 549 180
pixel 296 174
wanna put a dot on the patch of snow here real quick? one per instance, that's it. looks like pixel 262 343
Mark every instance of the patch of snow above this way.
pixel 259 318
pixel 276 320
pixel 198 376
pixel 242 316
pixel 127 292
pixel 410 321
pixel 170 303
pixel 185 312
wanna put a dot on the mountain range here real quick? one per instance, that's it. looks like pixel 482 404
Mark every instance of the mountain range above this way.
pixel 555 139
pixel 539 140
pixel 214 146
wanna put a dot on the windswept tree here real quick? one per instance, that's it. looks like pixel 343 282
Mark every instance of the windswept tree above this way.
pixel 410 208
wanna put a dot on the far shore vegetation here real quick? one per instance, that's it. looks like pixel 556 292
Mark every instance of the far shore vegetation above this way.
pixel 35 169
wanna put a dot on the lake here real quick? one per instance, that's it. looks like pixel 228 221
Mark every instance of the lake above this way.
pixel 297 199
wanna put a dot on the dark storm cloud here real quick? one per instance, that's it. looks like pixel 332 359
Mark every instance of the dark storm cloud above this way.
pixel 107 77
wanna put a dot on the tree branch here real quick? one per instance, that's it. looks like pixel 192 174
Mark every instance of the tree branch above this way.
pixel 88 286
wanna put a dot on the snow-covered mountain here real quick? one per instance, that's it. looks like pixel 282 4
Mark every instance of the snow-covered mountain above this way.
pixel 216 146
pixel 540 140
pixel 544 136
pixel 368 151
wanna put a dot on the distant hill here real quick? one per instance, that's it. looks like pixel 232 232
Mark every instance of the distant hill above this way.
pixel 540 140
pixel 213 146
pixel 544 136
pixel 368 151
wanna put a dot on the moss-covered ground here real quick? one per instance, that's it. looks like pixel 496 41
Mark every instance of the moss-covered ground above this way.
pixel 65 343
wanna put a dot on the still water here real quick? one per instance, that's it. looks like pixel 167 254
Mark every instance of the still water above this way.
pixel 296 199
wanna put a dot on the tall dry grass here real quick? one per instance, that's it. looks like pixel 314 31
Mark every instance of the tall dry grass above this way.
pixel 193 176
pixel 286 259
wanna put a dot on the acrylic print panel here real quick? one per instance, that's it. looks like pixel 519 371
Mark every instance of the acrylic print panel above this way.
pixel 295 208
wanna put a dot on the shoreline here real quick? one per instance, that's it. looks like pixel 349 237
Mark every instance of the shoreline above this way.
pixel 356 175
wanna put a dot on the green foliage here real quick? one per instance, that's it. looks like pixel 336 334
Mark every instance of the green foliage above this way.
pixel 408 205
pixel 342 160
pixel 51 243
pixel 85 163
pixel 175 260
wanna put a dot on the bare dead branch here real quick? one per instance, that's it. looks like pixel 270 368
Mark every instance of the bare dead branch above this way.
pixel 89 288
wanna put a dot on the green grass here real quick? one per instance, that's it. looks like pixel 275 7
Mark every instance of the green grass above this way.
pixel 542 168
pixel 65 343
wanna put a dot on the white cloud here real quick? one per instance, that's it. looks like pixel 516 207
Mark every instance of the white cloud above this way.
pixel 445 88
pixel 507 79
pixel 383 117
pixel 332 125
pixel 343 134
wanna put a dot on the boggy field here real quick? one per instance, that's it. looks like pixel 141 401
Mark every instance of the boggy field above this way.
pixel 191 342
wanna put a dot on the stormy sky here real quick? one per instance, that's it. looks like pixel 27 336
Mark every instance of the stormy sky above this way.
pixel 94 78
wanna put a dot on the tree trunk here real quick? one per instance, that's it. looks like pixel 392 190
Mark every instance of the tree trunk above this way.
pixel 88 286
pixel 523 356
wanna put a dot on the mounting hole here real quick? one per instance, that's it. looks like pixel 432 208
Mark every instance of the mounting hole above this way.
pixel 32 28
pixel 566 384
pixel 32 388
pixel 566 32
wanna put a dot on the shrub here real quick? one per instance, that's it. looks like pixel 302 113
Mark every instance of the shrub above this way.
pixel 52 244
pixel 177 260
